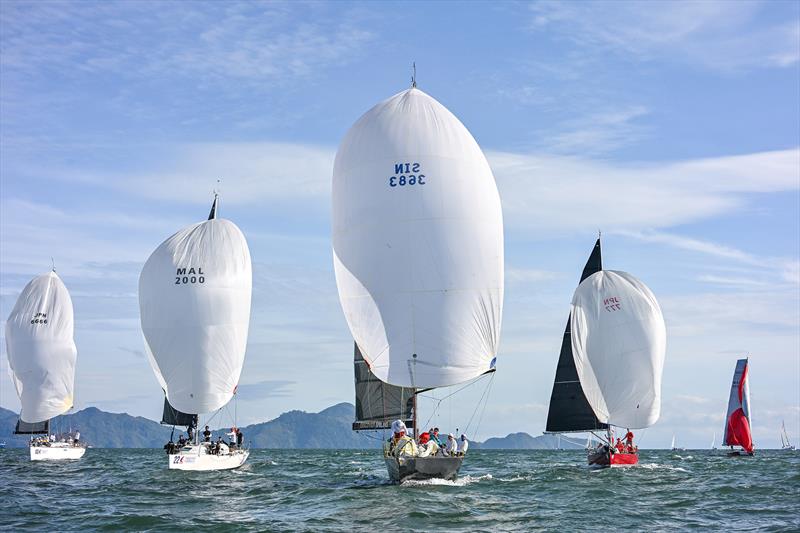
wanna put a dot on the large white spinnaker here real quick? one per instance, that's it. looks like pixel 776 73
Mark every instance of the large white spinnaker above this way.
pixel 194 301
pixel 418 244
pixel 41 349
pixel 619 343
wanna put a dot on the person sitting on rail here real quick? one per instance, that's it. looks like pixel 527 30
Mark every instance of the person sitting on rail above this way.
pixel 426 446
pixel 620 448
pixel 400 444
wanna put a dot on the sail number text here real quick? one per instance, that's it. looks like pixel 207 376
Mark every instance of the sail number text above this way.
pixel 406 174
pixel 39 318
pixel 189 275
pixel 612 304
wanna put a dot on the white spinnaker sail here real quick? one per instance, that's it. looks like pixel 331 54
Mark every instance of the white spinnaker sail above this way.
pixel 619 343
pixel 418 244
pixel 41 350
pixel 194 301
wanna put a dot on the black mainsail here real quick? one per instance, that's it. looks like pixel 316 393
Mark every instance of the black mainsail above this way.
pixel 172 417
pixel 378 404
pixel 569 409
pixel 35 428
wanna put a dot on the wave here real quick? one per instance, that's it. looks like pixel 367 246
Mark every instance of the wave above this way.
pixel 460 482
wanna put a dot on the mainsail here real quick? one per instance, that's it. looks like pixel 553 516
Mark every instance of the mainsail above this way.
pixel 569 409
pixel 194 301
pixel 41 351
pixel 418 244
pixel 378 404
pixel 737 420
pixel 619 342
pixel 35 428
pixel 172 417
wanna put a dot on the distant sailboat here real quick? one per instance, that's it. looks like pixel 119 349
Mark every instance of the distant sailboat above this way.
pixel 194 299
pixel 714 441
pixel 418 256
pixel 737 420
pixel 786 446
pixel 612 356
pixel 41 356
pixel 675 448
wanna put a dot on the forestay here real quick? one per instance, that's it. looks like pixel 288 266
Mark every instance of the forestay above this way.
pixel 619 343
pixel 41 350
pixel 418 244
pixel 194 300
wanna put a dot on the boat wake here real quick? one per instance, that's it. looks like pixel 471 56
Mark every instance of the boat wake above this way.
pixel 656 466
pixel 460 482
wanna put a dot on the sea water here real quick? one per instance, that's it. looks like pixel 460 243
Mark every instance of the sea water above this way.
pixel 323 490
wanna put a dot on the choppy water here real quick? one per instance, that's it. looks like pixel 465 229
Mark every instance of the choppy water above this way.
pixel 320 490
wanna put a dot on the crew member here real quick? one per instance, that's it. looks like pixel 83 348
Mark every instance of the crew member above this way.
pixel 463 445
pixel 207 434
pixel 400 443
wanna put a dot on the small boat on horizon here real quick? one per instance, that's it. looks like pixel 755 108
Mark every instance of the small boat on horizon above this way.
pixel 737 419
pixel 604 379
pixel 675 448
pixel 786 446
pixel 194 301
pixel 41 354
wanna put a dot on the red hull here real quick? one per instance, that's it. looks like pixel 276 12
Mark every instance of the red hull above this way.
pixel 607 459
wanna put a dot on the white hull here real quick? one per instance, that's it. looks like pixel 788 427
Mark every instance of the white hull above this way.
pixel 196 458
pixel 55 452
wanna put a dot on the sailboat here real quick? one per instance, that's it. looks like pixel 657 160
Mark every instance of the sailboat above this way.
pixel 714 441
pixel 737 419
pixel 786 446
pixel 612 357
pixel 41 355
pixel 675 448
pixel 418 256
pixel 194 301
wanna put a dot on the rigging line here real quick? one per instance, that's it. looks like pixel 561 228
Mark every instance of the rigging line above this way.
pixel 483 412
pixel 469 424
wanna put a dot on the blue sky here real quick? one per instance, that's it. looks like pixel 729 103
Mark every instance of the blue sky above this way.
pixel 673 127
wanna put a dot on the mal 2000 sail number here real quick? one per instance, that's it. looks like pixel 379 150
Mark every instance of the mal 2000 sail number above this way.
pixel 190 275
pixel 406 174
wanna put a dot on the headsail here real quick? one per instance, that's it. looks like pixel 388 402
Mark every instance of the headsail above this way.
pixel 619 343
pixel 378 404
pixel 41 350
pixel 194 301
pixel 737 420
pixel 418 244
pixel 569 409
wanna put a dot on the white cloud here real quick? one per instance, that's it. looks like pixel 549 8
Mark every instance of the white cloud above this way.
pixel 264 43
pixel 598 132
pixel 718 35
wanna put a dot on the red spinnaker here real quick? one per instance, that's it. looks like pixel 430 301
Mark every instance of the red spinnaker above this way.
pixel 739 431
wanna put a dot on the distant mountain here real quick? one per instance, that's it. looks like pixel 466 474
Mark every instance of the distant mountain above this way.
pixel 330 428
pixel 523 441
pixel 98 428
